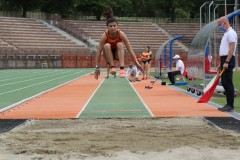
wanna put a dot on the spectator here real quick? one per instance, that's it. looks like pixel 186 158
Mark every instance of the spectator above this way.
pixel 145 57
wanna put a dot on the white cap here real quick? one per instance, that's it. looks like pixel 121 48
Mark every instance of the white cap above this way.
pixel 176 56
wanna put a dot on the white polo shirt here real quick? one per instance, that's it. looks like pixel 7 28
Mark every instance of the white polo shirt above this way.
pixel 229 36
pixel 180 66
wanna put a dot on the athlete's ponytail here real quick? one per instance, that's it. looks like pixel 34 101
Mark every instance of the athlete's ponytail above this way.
pixel 108 15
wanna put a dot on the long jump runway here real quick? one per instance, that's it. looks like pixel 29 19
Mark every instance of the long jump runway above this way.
pixel 110 98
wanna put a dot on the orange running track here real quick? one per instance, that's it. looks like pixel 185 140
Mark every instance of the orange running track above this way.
pixel 165 101
pixel 69 100
pixel 63 102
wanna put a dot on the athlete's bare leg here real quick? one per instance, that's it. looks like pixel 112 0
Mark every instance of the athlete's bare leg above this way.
pixel 120 53
pixel 108 54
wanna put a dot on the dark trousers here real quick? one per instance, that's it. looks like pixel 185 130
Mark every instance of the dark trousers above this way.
pixel 171 76
pixel 227 80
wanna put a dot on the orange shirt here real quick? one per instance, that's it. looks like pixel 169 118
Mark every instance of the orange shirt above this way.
pixel 113 42
pixel 145 56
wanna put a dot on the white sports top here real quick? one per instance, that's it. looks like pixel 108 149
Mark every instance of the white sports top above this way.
pixel 229 36
pixel 180 66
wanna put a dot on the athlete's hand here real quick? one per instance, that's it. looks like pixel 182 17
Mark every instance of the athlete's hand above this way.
pixel 97 73
pixel 139 67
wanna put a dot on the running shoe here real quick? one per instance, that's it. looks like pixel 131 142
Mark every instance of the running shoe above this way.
pixel 122 73
pixel 113 71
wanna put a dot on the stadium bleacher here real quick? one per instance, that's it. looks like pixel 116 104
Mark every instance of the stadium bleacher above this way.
pixel 189 30
pixel 24 34
pixel 139 34
pixel 29 37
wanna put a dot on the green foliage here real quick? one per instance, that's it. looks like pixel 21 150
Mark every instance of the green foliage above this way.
pixel 222 100
pixel 124 8
pixel 93 7
pixel 176 8
pixel 56 6
pixel 20 5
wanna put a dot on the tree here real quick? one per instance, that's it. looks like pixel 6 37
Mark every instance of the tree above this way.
pixel 175 8
pixel 137 8
pixel 56 6
pixel 93 7
pixel 122 8
pixel 20 5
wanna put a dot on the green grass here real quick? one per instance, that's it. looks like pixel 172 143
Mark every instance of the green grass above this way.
pixel 221 99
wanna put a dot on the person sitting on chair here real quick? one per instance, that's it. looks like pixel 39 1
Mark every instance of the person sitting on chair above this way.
pixel 179 69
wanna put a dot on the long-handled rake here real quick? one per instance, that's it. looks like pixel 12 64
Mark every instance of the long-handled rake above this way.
pixel 157 77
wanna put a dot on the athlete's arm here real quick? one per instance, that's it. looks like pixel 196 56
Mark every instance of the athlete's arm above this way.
pixel 100 48
pixel 98 55
pixel 129 47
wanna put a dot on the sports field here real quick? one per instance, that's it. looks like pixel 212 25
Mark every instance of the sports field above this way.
pixel 67 114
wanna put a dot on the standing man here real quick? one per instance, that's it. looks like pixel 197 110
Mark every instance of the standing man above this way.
pixel 227 61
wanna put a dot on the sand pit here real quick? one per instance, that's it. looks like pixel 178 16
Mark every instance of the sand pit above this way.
pixel 118 139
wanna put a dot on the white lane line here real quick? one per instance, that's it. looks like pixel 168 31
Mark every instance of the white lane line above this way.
pixel 22 76
pixel 18 73
pixel 34 78
pixel 26 99
pixel 89 99
pixel 145 105
pixel 36 84
pixel 9 74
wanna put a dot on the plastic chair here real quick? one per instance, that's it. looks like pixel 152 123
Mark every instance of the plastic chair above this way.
pixel 208 67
